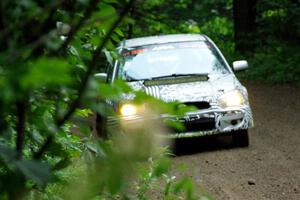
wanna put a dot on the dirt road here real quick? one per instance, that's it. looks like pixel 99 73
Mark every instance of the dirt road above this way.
pixel 269 168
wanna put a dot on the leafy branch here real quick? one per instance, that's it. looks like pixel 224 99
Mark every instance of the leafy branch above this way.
pixel 89 10
pixel 91 66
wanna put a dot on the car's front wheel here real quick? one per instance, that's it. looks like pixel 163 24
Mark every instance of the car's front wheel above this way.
pixel 240 138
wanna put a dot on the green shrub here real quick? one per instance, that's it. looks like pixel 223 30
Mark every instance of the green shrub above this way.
pixel 276 62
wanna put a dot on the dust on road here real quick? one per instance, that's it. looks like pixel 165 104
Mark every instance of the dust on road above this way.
pixel 269 168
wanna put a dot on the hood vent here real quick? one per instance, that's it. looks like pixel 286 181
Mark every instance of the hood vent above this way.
pixel 152 91
pixel 177 80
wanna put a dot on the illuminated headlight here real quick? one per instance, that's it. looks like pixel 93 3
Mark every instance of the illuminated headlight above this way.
pixel 231 99
pixel 128 109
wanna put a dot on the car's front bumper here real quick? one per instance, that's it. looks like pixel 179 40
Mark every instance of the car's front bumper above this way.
pixel 215 120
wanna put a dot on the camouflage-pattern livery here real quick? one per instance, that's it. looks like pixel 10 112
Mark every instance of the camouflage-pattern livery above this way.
pixel 205 91
pixel 191 90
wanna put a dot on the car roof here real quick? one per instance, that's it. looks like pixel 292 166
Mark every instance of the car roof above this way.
pixel 162 39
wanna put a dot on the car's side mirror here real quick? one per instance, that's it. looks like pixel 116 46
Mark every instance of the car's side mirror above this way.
pixel 101 76
pixel 240 65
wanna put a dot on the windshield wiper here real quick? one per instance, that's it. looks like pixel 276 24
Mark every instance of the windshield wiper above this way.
pixel 129 78
pixel 179 75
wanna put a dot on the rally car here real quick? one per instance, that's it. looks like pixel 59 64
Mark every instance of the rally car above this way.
pixel 190 69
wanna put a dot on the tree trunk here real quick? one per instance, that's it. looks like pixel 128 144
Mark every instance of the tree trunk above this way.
pixel 101 124
pixel 244 15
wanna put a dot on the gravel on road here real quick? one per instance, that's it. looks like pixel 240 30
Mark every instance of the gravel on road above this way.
pixel 268 169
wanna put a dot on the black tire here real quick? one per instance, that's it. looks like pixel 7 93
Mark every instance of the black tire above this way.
pixel 240 138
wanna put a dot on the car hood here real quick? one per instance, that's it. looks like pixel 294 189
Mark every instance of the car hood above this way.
pixel 208 90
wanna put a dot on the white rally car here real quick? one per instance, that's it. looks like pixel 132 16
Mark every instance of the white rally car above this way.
pixel 190 69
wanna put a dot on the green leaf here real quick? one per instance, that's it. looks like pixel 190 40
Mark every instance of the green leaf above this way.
pixel 116 38
pixel 181 185
pixel 105 10
pixel 185 185
pixel 34 170
pixel 162 166
pixel 74 51
pixel 111 1
pixel 62 164
pixel 83 112
pixel 119 32
pixel 7 154
pixel 57 149
pixel 114 91
pixel 123 86
pixel 47 72
pixel 175 124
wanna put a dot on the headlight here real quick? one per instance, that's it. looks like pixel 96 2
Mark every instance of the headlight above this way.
pixel 232 98
pixel 128 109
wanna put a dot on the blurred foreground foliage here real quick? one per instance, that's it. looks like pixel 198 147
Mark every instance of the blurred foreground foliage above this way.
pixel 48 147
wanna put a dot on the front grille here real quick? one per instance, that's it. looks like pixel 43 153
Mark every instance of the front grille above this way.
pixel 199 104
pixel 196 124
pixel 203 124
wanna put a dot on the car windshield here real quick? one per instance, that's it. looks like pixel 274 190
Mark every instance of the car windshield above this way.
pixel 173 59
